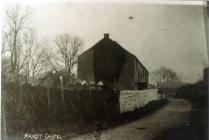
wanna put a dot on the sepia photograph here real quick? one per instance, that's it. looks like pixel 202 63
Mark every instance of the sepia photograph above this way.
pixel 104 70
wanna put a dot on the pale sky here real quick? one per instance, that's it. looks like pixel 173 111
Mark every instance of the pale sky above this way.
pixel 169 35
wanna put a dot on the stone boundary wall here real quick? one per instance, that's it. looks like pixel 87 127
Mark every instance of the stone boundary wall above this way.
pixel 132 99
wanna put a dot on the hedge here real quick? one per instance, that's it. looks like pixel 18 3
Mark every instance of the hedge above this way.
pixel 29 107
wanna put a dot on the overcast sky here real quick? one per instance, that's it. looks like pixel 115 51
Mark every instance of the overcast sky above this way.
pixel 169 35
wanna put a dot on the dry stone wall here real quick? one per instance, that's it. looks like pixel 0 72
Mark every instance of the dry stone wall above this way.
pixel 131 99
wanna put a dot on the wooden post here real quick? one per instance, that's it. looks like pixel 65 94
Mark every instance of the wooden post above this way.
pixel 62 92
pixel 48 96
pixel 21 109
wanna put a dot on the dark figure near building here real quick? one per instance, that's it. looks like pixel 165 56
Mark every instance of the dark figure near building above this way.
pixel 110 63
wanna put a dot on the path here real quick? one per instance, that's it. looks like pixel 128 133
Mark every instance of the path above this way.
pixel 175 113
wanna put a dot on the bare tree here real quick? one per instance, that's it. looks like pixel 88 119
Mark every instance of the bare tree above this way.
pixel 33 55
pixel 4 47
pixel 4 59
pixel 164 74
pixel 16 24
pixel 22 52
pixel 68 47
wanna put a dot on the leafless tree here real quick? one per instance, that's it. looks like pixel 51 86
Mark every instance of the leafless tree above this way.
pixel 4 48
pixel 68 47
pixel 22 52
pixel 164 74
pixel 16 24
pixel 33 55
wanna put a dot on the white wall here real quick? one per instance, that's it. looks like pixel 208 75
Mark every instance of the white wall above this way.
pixel 131 99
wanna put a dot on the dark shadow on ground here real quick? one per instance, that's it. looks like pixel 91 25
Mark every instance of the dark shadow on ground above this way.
pixel 184 132
pixel 138 113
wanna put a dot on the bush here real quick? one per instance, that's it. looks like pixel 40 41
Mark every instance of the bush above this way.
pixel 197 94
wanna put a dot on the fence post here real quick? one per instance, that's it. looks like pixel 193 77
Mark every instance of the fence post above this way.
pixel 20 108
pixel 62 92
pixel 48 96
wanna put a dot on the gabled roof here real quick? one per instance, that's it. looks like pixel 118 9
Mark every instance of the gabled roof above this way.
pixel 116 44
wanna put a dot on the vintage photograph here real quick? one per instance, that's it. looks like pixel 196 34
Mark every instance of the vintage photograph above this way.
pixel 108 70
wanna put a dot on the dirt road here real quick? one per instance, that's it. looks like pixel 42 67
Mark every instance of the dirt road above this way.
pixel 175 113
